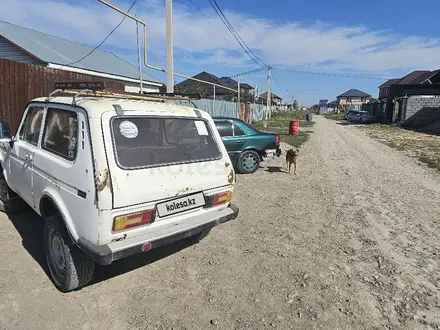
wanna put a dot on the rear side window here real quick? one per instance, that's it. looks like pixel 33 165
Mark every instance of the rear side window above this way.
pixel 238 131
pixel 61 133
pixel 224 128
pixel 146 141
pixel 31 128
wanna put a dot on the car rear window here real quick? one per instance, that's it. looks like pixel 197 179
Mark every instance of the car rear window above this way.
pixel 153 141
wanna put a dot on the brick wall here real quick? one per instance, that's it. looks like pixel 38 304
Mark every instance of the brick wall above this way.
pixel 422 111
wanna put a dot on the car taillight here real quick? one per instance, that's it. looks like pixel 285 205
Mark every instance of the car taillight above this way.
pixel 278 140
pixel 218 199
pixel 132 220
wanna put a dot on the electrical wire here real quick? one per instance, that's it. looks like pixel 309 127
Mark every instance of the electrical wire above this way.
pixel 331 74
pixel 248 72
pixel 105 39
pixel 276 82
pixel 207 19
pixel 235 34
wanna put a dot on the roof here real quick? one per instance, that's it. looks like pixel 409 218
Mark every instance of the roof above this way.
pixel 354 93
pixel 209 77
pixel 103 104
pixel 231 83
pixel 51 49
pixel 415 77
pixel 273 95
pixel 390 82
pixel 205 76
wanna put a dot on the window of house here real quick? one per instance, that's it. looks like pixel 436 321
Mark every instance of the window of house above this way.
pixel 31 128
pixel 224 128
pixel 349 99
pixel 61 133
pixel 238 131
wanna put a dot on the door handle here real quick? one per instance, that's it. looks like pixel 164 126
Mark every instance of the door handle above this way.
pixel 28 156
pixel 239 141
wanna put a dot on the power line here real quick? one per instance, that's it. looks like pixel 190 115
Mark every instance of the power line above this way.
pixel 207 19
pixel 105 39
pixel 235 34
pixel 276 82
pixel 248 72
pixel 331 74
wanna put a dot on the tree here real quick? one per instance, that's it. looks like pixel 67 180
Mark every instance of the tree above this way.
pixel 315 107
pixel 295 105
pixel 245 96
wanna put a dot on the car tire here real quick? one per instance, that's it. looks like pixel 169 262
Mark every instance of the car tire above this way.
pixel 248 162
pixel 69 267
pixel 9 204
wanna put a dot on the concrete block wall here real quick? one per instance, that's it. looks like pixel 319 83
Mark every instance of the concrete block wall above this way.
pixel 422 111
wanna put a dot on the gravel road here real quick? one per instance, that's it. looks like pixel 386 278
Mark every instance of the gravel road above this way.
pixel 351 242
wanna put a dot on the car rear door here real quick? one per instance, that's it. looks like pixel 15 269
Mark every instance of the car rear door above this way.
pixel 155 158
pixel 233 137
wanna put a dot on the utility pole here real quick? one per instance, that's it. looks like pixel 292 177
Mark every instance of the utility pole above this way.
pixel 239 96
pixel 269 93
pixel 139 58
pixel 169 36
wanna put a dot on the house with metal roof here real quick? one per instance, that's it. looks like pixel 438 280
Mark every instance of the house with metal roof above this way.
pixel 189 86
pixel 353 99
pixel 25 45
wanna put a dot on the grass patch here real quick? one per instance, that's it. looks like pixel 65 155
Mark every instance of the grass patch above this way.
pixel 334 116
pixel 279 123
pixel 423 146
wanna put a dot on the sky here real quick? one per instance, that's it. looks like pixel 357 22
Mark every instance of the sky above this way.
pixel 312 45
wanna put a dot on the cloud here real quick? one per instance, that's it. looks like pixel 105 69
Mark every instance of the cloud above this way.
pixel 205 42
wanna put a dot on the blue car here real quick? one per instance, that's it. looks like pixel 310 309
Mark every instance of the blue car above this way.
pixel 246 145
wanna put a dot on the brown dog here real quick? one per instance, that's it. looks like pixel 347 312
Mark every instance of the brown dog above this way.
pixel 291 156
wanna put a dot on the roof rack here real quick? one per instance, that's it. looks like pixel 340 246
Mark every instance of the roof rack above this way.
pixel 96 89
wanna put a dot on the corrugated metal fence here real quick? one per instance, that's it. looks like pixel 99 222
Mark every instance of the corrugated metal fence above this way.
pixel 20 83
pixel 218 108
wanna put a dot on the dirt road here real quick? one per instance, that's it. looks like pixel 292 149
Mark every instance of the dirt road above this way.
pixel 351 242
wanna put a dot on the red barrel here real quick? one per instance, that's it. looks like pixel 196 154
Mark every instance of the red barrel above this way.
pixel 294 128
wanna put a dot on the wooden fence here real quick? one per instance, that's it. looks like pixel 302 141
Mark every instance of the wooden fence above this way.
pixel 20 83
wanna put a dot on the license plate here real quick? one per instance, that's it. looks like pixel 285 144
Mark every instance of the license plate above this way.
pixel 181 204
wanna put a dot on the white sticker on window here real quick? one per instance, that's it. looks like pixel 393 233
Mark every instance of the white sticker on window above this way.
pixel 128 129
pixel 201 127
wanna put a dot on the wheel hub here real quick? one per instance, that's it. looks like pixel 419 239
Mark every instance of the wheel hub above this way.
pixel 249 162
pixel 57 252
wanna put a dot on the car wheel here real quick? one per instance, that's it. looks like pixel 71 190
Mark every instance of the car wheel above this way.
pixel 69 267
pixel 248 162
pixel 7 204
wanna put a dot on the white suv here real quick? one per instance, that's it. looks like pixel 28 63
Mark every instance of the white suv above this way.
pixel 113 177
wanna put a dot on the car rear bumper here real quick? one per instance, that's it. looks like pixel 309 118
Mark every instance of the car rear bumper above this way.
pixel 107 253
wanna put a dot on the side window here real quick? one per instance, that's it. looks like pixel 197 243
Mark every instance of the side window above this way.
pixel 31 128
pixel 61 133
pixel 238 131
pixel 224 128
